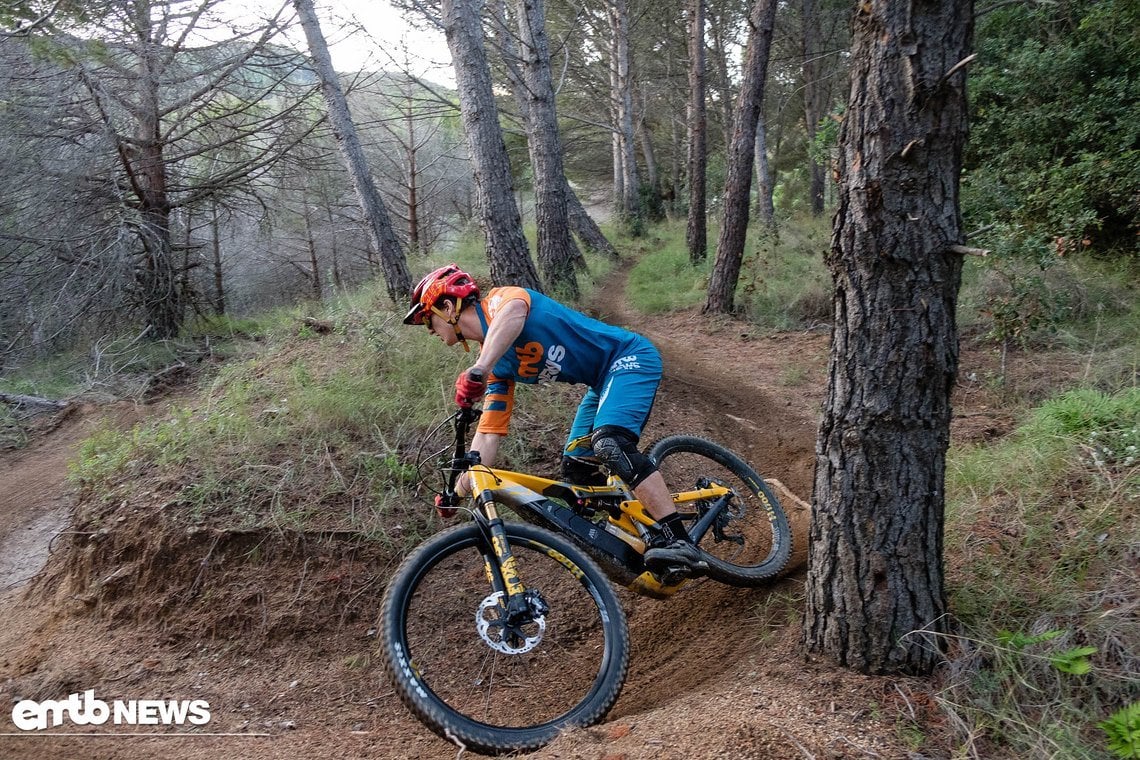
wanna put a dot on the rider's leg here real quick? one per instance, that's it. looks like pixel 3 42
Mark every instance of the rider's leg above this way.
pixel 618 414
pixel 617 449
pixel 579 465
pixel 654 494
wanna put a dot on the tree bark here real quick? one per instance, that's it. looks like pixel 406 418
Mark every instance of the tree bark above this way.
pixel 411 149
pixel 738 183
pixel 875 595
pixel 585 228
pixel 159 275
pixel 718 24
pixel 315 286
pixel 673 191
pixel 645 140
pixel 615 137
pixel 219 274
pixel 765 207
pixel 393 263
pixel 507 251
pixel 581 224
pixel 557 252
pixel 696 232
pixel 813 106
pixel 622 80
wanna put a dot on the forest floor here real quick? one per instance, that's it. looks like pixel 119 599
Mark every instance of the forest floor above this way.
pixel 716 672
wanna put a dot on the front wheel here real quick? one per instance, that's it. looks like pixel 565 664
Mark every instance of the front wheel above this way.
pixel 443 644
pixel 749 542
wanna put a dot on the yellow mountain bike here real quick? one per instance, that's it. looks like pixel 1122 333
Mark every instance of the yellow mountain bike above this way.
pixel 498 634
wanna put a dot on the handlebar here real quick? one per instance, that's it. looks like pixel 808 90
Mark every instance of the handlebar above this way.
pixel 462 460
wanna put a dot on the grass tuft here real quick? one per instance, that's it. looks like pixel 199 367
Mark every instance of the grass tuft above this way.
pixel 1043 536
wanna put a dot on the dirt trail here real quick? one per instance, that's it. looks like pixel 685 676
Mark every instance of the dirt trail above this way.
pixel 34 494
pixel 715 670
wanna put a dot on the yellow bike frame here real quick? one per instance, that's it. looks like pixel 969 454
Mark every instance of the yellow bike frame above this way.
pixel 631 525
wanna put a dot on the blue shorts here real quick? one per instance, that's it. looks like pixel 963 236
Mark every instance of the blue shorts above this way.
pixel 624 398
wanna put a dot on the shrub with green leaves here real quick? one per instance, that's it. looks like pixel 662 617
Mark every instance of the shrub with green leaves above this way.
pixel 1055 101
pixel 1122 731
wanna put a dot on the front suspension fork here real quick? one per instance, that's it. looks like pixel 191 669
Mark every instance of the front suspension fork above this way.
pixel 502 567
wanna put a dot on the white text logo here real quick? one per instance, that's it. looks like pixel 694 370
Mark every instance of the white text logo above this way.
pixel 554 355
pixel 86 710
pixel 626 362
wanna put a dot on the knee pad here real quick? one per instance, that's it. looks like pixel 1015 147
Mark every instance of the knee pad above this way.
pixel 616 448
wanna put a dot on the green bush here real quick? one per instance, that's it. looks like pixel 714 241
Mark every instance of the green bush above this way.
pixel 1055 101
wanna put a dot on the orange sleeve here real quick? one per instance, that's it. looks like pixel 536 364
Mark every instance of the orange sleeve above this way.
pixel 498 404
pixel 499 296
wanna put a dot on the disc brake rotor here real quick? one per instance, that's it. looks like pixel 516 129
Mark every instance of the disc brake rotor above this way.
pixel 500 636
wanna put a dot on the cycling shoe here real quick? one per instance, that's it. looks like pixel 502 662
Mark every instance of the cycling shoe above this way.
pixel 679 552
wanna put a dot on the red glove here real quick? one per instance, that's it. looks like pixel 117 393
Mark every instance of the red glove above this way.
pixel 444 508
pixel 469 390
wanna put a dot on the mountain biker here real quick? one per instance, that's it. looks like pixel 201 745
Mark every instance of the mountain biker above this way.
pixel 526 337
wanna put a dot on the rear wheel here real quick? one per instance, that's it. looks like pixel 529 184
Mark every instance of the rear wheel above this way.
pixel 490 687
pixel 750 541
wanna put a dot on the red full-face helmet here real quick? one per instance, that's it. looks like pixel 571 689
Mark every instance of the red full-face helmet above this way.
pixel 446 281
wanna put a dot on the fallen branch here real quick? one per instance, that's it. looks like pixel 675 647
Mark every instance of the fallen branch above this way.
pixel 15 399
pixel 786 495
pixel 966 250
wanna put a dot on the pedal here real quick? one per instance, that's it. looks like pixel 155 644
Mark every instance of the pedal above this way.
pixel 671 575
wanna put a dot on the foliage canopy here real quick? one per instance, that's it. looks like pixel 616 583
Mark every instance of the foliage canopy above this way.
pixel 1055 143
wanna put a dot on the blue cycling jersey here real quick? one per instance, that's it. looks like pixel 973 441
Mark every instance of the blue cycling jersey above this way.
pixel 559 344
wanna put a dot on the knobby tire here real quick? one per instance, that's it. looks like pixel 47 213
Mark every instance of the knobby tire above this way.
pixel 757 517
pixel 487 701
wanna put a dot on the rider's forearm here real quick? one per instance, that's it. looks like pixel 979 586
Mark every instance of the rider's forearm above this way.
pixel 501 334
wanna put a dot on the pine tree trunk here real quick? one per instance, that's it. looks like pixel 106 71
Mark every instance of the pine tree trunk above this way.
pixel 696 233
pixel 581 224
pixel 507 251
pixel 765 207
pixel 411 149
pixel 392 261
pixel 673 191
pixel 622 80
pixel 316 289
pixel 738 183
pixel 724 83
pixel 158 278
pixel 219 274
pixel 557 251
pixel 813 100
pixel 585 228
pixel 649 155
pixel 875 593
